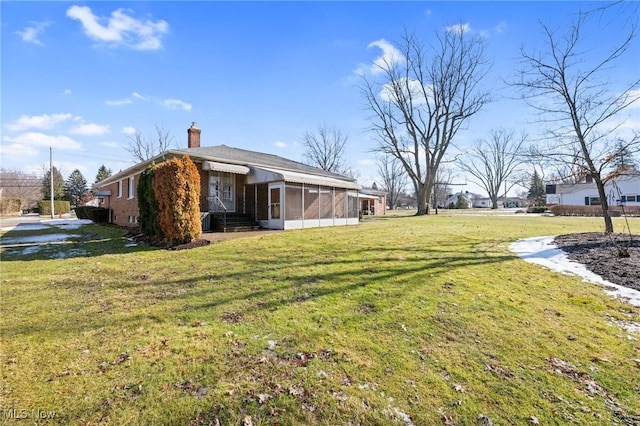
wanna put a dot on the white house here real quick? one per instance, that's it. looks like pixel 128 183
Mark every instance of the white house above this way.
pixel 622 191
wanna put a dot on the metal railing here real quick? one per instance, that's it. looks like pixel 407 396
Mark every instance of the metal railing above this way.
pixel 217 207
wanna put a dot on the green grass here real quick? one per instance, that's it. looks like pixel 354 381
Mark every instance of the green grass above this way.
pixel 428 317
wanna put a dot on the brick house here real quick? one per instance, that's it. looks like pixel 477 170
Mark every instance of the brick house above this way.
pixel 264 189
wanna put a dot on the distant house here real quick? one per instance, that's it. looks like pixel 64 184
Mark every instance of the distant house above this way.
pixel 270 191
pixel 469 197
pixel 622 191
pixel 373 201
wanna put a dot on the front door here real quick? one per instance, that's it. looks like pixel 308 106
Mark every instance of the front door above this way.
pixel 276 206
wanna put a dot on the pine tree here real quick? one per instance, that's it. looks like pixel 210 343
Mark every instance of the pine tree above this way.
pixel 103 173
pixel 58 184
pixel 623 161
pixel 76 187
pixel 537 191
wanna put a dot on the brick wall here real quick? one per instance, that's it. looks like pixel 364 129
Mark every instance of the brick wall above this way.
pixel 123 201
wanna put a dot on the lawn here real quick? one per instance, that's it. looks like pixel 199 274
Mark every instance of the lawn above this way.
pixel 399 320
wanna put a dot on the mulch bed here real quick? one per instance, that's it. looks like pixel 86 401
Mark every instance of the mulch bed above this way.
pixel 615 257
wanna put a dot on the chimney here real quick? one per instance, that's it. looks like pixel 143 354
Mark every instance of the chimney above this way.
pixel 193 138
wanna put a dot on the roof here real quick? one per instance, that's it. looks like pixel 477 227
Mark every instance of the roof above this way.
pixel 243 158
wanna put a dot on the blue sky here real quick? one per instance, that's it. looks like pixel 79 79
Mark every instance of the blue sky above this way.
pixel 79 76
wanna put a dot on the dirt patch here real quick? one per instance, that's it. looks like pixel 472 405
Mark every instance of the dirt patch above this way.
pixel 615 257
pixel 204 240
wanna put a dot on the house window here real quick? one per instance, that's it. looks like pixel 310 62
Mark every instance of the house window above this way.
pixel 630 198
pixel 130 188
pixel 592 201
pixel 119 189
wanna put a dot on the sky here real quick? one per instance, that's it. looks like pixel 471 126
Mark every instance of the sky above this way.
pixel 81 77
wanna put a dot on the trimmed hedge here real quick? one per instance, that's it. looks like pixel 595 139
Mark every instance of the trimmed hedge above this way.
pixel 593 211
pixel 96 214
pixel 58 205
pixel 10 205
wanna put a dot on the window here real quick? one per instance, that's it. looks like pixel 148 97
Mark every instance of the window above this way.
pixel 631 198
pixel 591 201
pixel 119 189
pixel 130 188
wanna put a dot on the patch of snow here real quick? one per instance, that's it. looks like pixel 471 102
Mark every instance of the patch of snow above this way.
pixel 542 251
pixel 26 227
pixel 31 250
pixel 67 223
pixel 35 239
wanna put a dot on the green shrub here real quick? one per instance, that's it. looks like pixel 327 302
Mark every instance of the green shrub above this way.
pixel 98 214
pixel 58 205
pixel 82 212
pixel 148 205
pixel 536 209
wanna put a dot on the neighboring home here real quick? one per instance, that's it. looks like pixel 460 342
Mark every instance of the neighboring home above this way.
pixel 271 191
pixel 503 202
pixel 469 197
pixel 373 201
pixel 622 191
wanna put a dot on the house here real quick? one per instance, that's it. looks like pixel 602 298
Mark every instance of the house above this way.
pixel 271 191
pixel 373 201
pixel 622 191
pixel 452 200
pixel 503 202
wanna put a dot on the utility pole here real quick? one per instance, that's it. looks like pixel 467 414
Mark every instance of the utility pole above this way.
pixel 51 179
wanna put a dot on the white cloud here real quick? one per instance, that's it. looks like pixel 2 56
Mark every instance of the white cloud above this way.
pixel 31 34
pixel 44 122
pixel 35 139
pixel 90 129
pixel 138 95
pixel 459 28
pixel 120 29
pixel 67 92
pixel 390 56
pixel 176 103
pixel 111 144
pixel 367 162
pixel 16 152
pixel 427 12
pixel 280 144
pixel 502 25
pixel 128 130
pixel 118 102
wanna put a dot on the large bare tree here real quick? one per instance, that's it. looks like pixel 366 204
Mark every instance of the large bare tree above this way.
pixel 425 95
pixel 394 179
pixel 144 148
pixel 491 162
pixel 18 184
pixel 325 148
pixel 570 85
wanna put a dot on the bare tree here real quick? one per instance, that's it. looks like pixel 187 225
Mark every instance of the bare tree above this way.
pixel 394 179
pixel 424 98
pixel 143 149
pixel 492 161
pixel 442 186
pixel 325 149
pixel 568 85
pixel 18 184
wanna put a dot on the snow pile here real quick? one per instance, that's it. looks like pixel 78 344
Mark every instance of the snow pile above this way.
pixel 542 251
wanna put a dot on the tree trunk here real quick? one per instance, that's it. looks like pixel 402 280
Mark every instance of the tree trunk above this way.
pixel 422 200
pixel 604 203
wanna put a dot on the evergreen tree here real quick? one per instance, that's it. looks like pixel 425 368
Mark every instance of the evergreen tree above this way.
pixel 537 190
pixel 58 184
pixel 103 173
pixel 623 161
pixel 76 187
